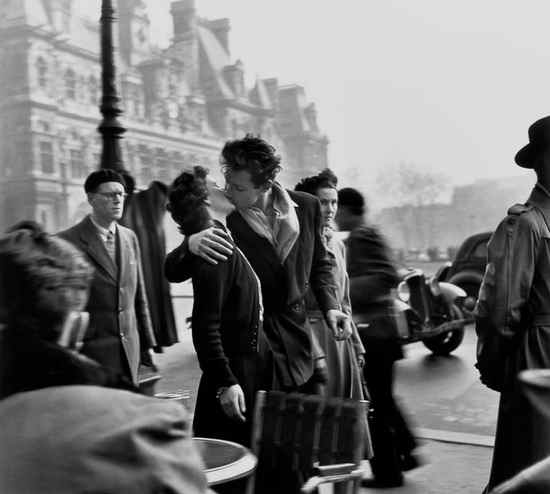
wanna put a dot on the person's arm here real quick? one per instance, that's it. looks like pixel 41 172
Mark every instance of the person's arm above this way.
pixel 209 296
pixel 323 284
pixel 321 277
pixel 512 255
pixel 177 264
pixel 346 308
pixel 213 245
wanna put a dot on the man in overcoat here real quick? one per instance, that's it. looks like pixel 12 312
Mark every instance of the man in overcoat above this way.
pixel 120 331
pixel 372 276
pixel 513 309
pixel 279 232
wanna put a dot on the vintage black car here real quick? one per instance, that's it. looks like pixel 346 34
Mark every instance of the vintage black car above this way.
pixel 468 267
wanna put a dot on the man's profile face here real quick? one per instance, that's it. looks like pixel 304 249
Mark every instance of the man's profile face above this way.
pixel 108 201
pixel 240 189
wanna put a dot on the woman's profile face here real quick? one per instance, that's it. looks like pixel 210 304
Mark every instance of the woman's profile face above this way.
pixel 328 197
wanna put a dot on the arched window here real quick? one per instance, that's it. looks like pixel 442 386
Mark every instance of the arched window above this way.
pixel 70 84
pixel 93 88
pixel 42 72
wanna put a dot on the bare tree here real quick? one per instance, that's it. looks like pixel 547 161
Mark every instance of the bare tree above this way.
pixel 411 189
pixel 410 185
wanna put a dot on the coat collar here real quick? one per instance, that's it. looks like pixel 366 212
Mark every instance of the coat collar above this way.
pixel 540 197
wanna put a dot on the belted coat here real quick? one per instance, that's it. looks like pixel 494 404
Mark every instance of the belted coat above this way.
pixel 514 301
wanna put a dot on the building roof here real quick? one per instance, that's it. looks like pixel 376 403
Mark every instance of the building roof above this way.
pixel 25 12
pixel 217 59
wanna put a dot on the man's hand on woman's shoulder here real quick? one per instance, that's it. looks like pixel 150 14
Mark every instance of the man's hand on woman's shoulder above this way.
pixel 212 244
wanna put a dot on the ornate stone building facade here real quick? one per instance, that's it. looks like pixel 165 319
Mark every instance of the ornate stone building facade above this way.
pixel 180 104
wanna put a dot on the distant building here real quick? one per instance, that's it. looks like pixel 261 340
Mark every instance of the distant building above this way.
pixel 474 208
pixel 180 104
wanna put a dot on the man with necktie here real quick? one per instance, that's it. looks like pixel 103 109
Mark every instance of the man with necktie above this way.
pixel 120 331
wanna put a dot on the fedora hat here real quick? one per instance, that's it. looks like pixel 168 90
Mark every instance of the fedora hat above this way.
pixel 539 140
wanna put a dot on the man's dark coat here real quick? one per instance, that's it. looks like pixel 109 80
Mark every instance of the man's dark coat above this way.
pixel 120 325
pixel 144 214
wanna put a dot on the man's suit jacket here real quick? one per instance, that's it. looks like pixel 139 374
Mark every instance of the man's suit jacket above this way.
pixel 285 285
pixel 120 325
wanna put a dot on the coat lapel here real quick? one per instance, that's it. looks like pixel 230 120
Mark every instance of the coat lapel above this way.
pixel 124 249
pixel 95 249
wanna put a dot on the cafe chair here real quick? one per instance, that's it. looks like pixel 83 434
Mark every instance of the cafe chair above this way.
pixel 304 442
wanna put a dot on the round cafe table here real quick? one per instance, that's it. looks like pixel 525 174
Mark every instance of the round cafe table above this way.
pixel 224 460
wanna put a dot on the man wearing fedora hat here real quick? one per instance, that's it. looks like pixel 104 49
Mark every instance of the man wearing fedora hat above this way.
pixel 513 311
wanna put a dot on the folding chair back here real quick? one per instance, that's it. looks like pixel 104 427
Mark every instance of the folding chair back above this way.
pixel 303 441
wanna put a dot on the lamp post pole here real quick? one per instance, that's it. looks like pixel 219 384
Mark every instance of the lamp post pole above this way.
pixel 110 128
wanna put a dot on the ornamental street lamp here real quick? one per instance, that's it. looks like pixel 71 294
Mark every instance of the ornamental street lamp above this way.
pixel 110 128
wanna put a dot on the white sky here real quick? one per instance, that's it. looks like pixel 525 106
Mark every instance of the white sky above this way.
pixel 448 85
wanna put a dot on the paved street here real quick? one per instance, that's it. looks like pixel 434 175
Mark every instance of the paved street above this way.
pixel 444 393
pixel 453 414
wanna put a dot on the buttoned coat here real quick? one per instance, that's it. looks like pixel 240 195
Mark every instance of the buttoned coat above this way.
pixel 285 285
pixel 120 325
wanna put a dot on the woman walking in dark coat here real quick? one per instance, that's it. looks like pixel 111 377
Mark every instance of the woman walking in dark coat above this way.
pixel 226 321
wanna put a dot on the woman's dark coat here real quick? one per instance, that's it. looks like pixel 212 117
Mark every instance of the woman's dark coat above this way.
pixel 228 339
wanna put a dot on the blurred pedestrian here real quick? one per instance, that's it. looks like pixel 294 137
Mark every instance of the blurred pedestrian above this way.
pixel 372 277
pixel 512 313
pixel 44 286
pixel 344 358
pixel 226 321
pixel 120 334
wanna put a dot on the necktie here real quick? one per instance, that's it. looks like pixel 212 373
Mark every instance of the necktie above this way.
pixel 110 246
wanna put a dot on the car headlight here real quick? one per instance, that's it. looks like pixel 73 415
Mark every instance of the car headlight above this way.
pixel 403 292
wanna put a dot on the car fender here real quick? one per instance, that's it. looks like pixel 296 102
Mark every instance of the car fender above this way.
pixel 450 291
pixel 467 276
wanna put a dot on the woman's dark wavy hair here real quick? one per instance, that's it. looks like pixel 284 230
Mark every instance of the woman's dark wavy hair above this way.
pixel 187 192
pixel 253 155
pixel 323 180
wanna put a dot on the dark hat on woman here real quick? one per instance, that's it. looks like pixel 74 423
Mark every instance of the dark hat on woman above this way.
pixel 539 140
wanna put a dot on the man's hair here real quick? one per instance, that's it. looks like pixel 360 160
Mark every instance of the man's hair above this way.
pixel 251 154
pixel 353 200
pixel 187 192
pixel 323 180
pixel 95 179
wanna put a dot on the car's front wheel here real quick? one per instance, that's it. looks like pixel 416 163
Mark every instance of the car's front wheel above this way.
pixel 445 343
